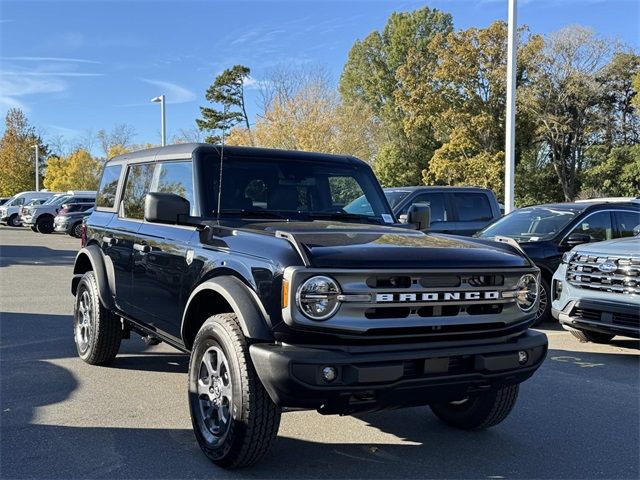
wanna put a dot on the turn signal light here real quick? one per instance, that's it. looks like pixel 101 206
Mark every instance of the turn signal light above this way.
pixel 285 293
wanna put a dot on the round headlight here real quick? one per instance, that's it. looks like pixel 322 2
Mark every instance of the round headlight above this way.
pixel 527 292
pixel 317 297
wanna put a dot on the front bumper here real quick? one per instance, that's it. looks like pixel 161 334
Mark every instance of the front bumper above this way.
pixel 59 226
pixel 371 379
pixel 616 318
pixel 27 220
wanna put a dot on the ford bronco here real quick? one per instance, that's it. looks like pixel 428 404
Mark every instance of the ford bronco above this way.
pixel 249 260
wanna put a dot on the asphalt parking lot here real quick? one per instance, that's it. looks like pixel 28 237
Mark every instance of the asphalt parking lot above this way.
pixel 578 417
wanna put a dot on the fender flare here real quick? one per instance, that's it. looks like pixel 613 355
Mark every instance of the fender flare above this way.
pixel 252 316
pixel 93 254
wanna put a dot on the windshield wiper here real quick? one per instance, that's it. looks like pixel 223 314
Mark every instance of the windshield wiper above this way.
pixel 344 216
pixel 248 212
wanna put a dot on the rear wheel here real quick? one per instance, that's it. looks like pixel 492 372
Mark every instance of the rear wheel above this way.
pixel 14 221
pixel 588 336
pixel 44 224
pixel 477 413
pixel 233 417
pixel 97 331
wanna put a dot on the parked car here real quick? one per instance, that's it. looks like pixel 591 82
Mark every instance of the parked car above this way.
pixel 69 221
pixel 596 290
pixel 545 232
pixel 286 300
pixel 40 218
pixel 454 210
pixel 9 212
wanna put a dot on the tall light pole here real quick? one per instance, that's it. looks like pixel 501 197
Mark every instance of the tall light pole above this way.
pixel 37 167
pixel 510 127
pixel 163 119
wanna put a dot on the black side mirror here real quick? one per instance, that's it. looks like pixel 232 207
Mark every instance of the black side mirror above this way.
pixel 576 239
pixel 165 207
pixel 420 215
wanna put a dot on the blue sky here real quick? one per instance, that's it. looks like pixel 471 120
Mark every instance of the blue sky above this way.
pixel 80 66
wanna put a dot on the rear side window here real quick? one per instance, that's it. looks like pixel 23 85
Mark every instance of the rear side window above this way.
pixel 175 177
pixel 472 207
pixel 108 186
pixel 137 185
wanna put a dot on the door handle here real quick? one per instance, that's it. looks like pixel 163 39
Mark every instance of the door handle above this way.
pixel 109 240
pixel 139 247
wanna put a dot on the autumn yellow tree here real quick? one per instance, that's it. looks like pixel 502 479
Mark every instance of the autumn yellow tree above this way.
pixel 78 171
pixel 17 155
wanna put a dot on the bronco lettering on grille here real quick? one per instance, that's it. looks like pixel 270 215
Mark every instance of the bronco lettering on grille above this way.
pixel 436 296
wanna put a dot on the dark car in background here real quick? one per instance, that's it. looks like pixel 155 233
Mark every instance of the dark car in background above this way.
pixel 69 218
pixel 454 210
pixel 545 232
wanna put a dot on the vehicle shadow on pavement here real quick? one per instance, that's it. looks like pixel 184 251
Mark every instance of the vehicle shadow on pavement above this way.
pixel 35 255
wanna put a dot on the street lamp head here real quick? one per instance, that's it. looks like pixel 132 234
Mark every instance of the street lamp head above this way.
pixel 157 99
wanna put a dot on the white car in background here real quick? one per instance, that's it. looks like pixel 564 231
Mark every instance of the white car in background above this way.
pixel 10 211
pixel 596 290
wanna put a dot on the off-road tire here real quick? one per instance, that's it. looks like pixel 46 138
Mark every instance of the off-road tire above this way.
pixel 545 314
pixel 585 336
pixel 105 327
pixel 44 224
pixel 14 220
pixel 254 418
pixel 477 413
pixel 76 230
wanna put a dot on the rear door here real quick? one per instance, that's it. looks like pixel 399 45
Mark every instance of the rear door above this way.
pixel 472 211
pixel 160 263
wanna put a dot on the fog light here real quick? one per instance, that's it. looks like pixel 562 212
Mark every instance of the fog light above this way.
pixel 329 374
pixel 523 357
pixel 557 289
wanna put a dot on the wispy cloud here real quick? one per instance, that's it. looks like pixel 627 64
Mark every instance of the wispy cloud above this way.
pixel 50 59
pixel 174 93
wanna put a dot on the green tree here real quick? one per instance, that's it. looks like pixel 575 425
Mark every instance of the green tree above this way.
pixel 17 165
pixel 228 91
pixel 370 76
pixel 618 175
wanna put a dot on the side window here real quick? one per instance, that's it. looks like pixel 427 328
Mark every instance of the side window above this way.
pixel 626 222
pixel 471 207
pixel 18 202
pixel 438 205
pixel 175 177
pixel 597 226
pixel 108 187
pixel 137 186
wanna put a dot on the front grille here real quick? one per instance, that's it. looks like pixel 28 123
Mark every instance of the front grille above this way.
pixel 618 274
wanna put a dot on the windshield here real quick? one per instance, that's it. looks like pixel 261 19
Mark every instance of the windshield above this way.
pixel 284 188
pixel 395 196
pixel 530 224
pixel 58 200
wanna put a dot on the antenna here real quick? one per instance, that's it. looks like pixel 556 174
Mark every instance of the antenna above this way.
pixel 226 110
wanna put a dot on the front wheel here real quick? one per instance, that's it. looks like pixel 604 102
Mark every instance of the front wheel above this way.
pixel 480 412
pixel 595 337
pixel 45 224
pixel 14 221
pixel 233 417
pixel 33 228
pixel 76 230
pixel 97 331
pixel 544 307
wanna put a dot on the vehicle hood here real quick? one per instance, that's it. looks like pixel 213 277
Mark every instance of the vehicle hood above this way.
pixel 619 246
pixel 340 245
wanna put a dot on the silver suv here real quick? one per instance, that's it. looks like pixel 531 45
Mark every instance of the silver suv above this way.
pixel 596 290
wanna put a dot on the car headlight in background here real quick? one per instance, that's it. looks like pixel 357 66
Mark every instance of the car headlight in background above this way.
pixel 527 292
pixel 317 297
